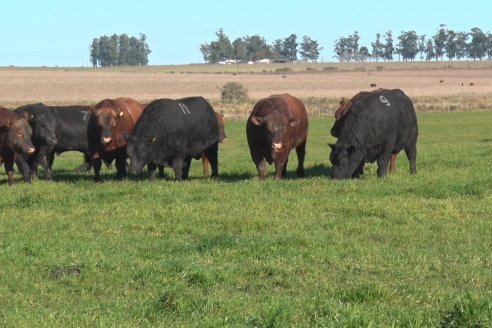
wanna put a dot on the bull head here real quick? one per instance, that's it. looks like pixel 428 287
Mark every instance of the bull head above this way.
pixel 345 160
pixel 275 126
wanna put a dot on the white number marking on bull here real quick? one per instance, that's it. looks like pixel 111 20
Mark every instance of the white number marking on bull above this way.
pixel 86 114
pixel 184 108
pixel 384 100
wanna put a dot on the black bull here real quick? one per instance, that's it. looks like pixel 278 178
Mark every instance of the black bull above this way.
pixel 172 132
pixel 376 127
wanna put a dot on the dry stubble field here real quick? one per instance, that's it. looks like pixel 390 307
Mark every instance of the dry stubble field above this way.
pixel 321 89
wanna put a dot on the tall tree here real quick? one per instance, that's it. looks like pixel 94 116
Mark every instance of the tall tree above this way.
pixel 488 45
pixel 124 49
pixel 94 52
pixel 310 49
pixel 408 45
pixel 144 50
pixel 450 46
pixel 377 48
pixel 257 48
pixel 388 46
pixel 217 50
pixel 278 49
pixel 364 53
pixel 429 50
pixel 461 45
pixel 290 47
pixel 477 48
pixel 104 46
pixel 421 46
pixel 439 41
pixel 239 49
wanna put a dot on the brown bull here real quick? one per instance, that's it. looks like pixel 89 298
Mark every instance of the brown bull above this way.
pixel 276 125
pixel 15 138
pixel 110 125
pixel 345 106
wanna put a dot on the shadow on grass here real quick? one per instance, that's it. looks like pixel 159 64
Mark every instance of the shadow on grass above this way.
pixel 318 170
pixel 70 176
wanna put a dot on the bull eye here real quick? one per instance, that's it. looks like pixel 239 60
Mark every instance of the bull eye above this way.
pixel 343 161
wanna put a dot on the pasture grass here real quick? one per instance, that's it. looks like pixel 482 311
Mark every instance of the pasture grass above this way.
pixel 403 251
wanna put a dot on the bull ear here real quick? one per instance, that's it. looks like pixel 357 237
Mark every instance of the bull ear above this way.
pixel 25 115
pixel 257 120
pixel 295 123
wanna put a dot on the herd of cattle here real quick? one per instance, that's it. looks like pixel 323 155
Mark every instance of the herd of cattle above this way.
pixel 372 126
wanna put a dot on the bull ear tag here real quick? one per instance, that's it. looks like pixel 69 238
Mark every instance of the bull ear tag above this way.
pixel 121 114
pixel 154 140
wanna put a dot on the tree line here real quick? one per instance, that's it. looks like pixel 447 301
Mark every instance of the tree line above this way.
pixel 119 50
pixel 474 44
pixel 254 48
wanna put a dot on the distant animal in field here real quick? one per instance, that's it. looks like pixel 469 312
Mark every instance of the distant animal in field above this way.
pixel 378 125
pixel 110 125
pixel 277 125
pixel 15 140
pixel 373 85
pixel 472 84
pixel 173 132
pixel 345 105
pixel 441 81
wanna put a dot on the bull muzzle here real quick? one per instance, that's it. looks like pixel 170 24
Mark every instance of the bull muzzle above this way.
pixel 277 146
pixel 31 150
pixel 106 140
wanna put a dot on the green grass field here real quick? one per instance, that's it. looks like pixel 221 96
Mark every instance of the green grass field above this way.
pixel 403 251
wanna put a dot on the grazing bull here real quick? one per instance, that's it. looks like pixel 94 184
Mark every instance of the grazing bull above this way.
pixel 15 137
pixel 276 125
pixel 345 105
pixel 378 125
pixel 223 138
pixel 109 128
pixel 173 132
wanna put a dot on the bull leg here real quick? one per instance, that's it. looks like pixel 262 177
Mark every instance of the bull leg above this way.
pixel 96 164
pixel 392 167
pixel 411 153
pixel 383 162
pixel 205 164
pixel 41 159
pixel 261 167
pixel 9 169
pixel 301 153
pixel 212 156
pixel 152 171
pixel 50 157
pixel 280 169
pixel 161 171
pixel 177 165
pixel 359 170
pixel 23 168
pixel 186 167
pixel 120 167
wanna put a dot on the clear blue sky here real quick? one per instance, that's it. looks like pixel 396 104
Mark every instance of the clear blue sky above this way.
pixel 59 32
